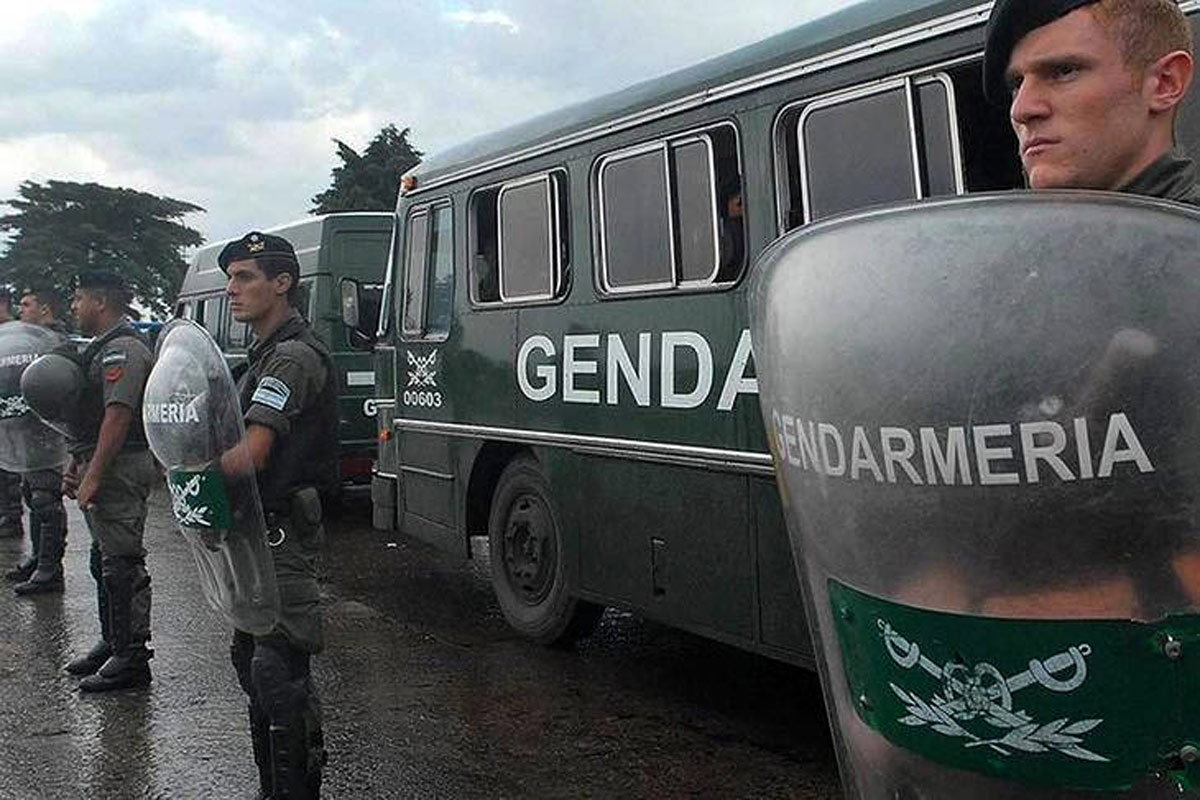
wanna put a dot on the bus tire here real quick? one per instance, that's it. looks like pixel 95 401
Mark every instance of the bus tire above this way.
pixel 529 571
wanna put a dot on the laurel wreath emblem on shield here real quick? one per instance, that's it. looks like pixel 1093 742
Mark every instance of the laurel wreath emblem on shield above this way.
pixel 14 406
pixel 181 496
pixel 981 693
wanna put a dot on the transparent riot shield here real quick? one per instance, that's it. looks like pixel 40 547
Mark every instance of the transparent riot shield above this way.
pixel 194 426
pixel 26 442
pixel 985 418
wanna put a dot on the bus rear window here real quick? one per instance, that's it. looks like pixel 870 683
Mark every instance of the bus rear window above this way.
pixel 670 213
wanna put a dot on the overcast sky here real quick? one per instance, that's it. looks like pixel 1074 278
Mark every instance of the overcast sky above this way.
pixel 233 105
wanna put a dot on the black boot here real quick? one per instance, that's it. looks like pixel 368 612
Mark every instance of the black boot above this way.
pixel 91 661
pixel 289 761
pixel 123 670
pixel 260 740
pixel 23 570
pixel 129 664
pixel 49 574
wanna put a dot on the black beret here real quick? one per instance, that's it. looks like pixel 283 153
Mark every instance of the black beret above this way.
pixel 257 245
pixel 101 279
pixel 1011 20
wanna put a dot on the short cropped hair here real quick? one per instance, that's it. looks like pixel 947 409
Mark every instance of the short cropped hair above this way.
pixel 46 297
pixel 114 297
pixel 1145 30
pixel 272 265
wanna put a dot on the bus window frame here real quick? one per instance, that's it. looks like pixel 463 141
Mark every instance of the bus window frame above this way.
pixel 384 323
pixel 559 181
pixel 430 209
pixel 912 78
pixel 604 290
pixel 713 189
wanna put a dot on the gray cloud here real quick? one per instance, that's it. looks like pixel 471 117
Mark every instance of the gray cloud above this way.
pixel 233 106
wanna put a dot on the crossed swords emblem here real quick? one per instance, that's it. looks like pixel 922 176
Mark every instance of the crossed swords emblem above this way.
pixel 422 372
pixel 984 689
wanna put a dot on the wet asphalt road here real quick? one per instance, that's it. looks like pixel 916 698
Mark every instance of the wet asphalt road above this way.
pixel 426 694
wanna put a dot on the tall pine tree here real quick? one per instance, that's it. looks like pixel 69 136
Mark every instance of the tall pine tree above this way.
pixel 370 181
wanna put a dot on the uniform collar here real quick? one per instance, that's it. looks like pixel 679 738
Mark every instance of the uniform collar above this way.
pixel 1171 177
pixel 291 324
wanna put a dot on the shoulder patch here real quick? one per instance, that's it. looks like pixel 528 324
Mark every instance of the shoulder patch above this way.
pixel 271 392
pixel 114 357
pixel 113 374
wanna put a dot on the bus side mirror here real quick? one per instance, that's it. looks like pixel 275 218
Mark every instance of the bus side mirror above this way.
pixel 352 315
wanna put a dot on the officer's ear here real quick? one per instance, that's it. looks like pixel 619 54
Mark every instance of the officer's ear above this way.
pixel 283 283
pixel 1167 81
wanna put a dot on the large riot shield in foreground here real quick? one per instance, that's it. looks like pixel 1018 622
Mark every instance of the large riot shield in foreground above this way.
pixel 985 419
pixel 26 442
pixel 194 426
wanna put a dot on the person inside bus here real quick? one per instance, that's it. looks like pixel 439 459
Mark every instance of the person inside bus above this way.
pixel 732 230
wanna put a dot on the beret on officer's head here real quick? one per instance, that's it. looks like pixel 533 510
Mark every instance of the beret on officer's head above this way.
pixel 258 245
pixel 1011 20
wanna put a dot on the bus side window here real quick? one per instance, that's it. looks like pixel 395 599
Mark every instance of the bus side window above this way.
pixel 520 240
pixel 670 213
pixel 428 296
pixel 893 142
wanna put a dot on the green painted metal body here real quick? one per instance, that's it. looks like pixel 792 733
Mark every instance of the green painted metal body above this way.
pixel 329 249
pixel 694 539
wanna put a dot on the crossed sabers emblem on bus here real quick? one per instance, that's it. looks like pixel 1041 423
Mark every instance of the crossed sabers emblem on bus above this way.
pixel 423 372
pixel 983 692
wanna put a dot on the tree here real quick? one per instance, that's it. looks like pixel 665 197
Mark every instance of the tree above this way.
pixel 59 228
pixel 369 182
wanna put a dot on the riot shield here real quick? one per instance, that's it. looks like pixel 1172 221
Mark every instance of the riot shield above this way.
pixel 26 442
pixel 985 422
pixel 194 425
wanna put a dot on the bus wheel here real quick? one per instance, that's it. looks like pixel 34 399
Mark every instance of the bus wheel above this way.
pixel 529 572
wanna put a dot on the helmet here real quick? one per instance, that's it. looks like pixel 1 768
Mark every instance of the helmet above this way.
pixel 52 386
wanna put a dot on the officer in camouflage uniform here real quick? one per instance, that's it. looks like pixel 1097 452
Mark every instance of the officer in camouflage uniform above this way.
pixel 11 512
pixel 42 489
pixel 288 395
pixel 111 473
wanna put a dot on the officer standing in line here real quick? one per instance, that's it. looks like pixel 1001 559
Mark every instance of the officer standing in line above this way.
pixel 288 396
pixel 111 473
pixel 1093 88
pixel 42 489
pixel 11 512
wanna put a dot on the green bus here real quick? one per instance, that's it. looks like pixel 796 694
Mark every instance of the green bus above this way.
pixel 563 361
pixel 336 252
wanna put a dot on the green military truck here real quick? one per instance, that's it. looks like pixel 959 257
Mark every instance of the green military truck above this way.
pixel 339 254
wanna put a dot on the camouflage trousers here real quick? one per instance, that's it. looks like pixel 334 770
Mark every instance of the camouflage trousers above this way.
pixel 117 522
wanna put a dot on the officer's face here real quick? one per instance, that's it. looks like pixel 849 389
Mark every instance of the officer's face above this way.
pixel 251 293
pixel 87 309
pixel 1083 119
pixel 33 311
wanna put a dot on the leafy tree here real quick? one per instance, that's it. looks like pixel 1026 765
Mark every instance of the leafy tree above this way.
pixel 60 228
pixel 369 182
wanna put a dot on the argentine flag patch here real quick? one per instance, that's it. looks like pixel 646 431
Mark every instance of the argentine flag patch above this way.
pixel 271 392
